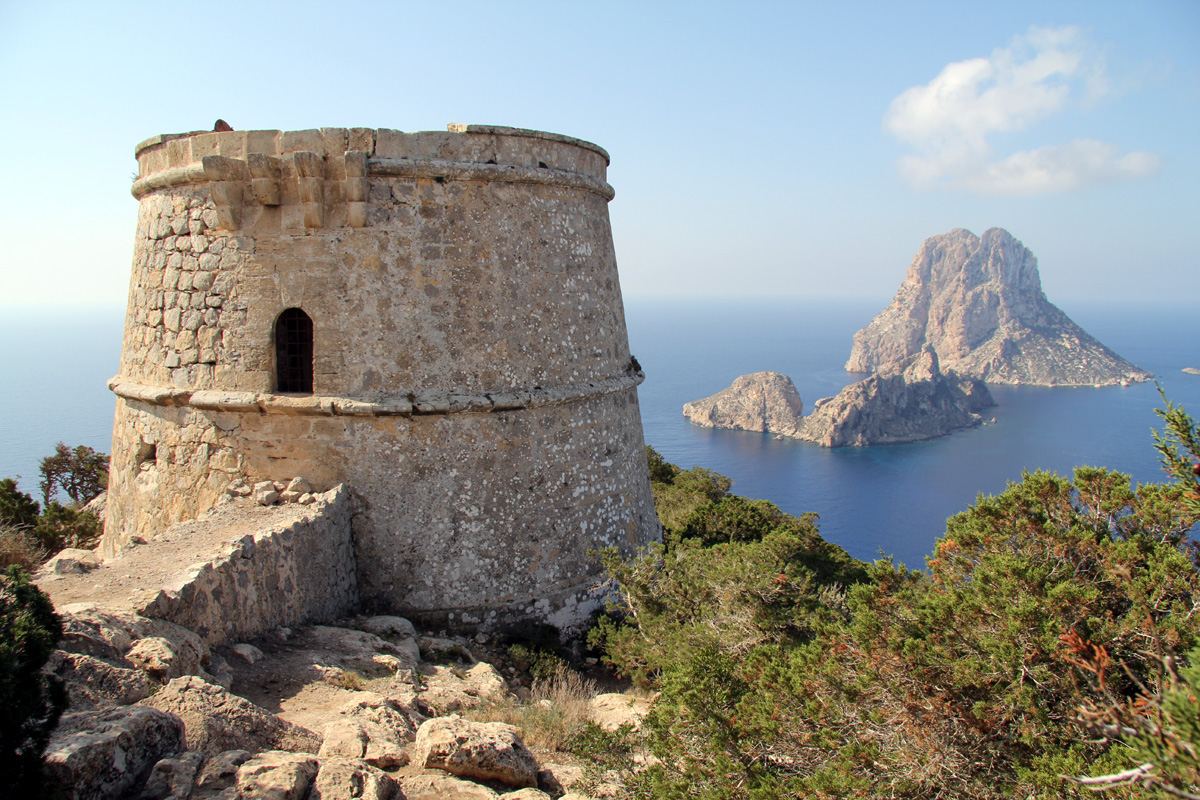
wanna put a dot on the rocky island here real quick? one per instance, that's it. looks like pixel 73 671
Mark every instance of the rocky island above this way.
pixel 910 403
pixel 978 301
pixel 766 402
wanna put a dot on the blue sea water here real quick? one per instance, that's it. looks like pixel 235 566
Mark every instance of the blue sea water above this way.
pixel 895 499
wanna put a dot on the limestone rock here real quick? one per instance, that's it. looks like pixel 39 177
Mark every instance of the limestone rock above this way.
pixel 371 728
pixel 157 658
pixel 171 778
pixel 70 561
pixel 909 405
pixel 611 711
pixel 447 689
pixel 349 779
pixel 443 787
pixel 247 652
pixel 93 683
pixel 109 753
pixel 978 301
pixel 97 506
pixel 217 720
pixel 276 775
pixel 389 627
pixel 220 771
pixel 356 650
pixel 766 402
pixel 111 633
pixel 478 750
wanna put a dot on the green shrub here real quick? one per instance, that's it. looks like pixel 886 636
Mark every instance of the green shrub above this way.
pixel 31 701
pixel 60 526
pixel 16 508
pixel 81 472
pixel 787 669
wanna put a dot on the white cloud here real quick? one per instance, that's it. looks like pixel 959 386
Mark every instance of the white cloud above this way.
pixel 949 120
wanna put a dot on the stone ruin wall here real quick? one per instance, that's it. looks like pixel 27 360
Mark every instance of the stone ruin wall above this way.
pixel 472 380
pixel 264 579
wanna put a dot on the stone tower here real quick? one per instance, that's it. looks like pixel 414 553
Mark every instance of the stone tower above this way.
pixel 433 319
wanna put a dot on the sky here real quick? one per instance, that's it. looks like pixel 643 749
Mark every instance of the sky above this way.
pixel 758 148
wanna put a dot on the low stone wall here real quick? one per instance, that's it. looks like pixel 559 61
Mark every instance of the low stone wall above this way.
pixel 301 571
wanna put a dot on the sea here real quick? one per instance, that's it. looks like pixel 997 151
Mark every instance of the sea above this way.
pixel 874 501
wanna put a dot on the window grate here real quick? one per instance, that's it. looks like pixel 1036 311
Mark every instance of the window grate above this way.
pixel 294 352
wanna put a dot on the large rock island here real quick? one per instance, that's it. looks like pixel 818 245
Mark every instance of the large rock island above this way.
pixel 766 402
pixel 978 301
pixel 908 404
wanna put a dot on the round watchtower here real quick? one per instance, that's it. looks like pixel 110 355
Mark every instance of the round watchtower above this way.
pixel 433 319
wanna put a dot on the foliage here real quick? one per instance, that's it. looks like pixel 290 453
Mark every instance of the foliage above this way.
pixel 32 701
pixel 346 679
pixel 539 661
pixel 788 669
pixel 18 548
pixel 554 715
pixel 60 526
pixel 1154 713
pixel 80 472
pixel 16 508
pixel 660 470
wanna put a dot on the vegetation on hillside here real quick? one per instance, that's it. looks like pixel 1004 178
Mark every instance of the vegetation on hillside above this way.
pixel 30 532
pixel 1045 651
pixel 32 700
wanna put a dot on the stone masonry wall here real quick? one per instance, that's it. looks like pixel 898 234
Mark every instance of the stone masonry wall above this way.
pixel 472 385
pixel 303 571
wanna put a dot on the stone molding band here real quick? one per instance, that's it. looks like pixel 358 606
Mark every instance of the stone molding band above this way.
pixel 394 406
pixel 204 171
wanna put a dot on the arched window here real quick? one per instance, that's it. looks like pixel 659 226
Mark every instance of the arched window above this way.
pixel 294 352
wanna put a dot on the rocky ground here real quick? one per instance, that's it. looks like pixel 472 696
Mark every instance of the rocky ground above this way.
pixel 367 707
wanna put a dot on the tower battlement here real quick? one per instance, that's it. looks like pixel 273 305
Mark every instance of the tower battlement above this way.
pixel 318 177
pixel 433 319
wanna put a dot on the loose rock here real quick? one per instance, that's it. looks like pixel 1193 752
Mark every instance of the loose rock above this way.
pixel 217 720
pixel 479 750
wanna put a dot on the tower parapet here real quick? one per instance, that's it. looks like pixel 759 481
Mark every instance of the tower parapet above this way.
pixel 432 318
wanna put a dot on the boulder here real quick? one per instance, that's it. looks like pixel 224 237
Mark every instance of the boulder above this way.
pixel 611 711
pixel 365 740
pixel 172 778
pixel 217 720
pixel 448 689
pixel 354 650
pixel 443 787
pixel 490 751
pixel 978 301
pixel 247 652
pixel 70 561
pixel 220 771
pixel 370 727
pixel 93 683
pixel 350 779
pixel 389 627
pixel 111 633
pixel 109 753
pixel 275 775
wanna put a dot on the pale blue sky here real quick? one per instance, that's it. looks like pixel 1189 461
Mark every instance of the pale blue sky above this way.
pixel 801 148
